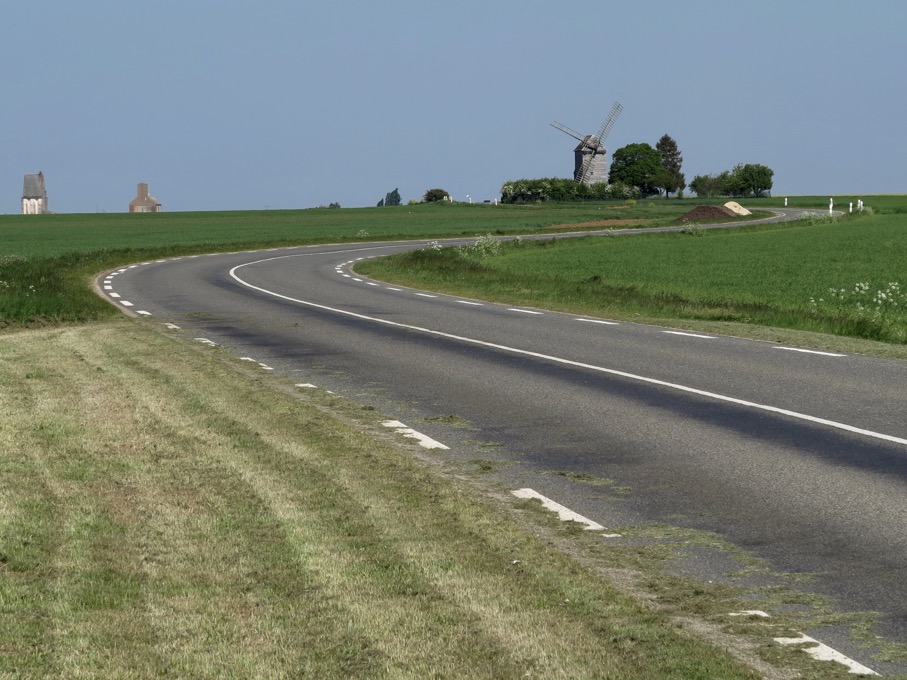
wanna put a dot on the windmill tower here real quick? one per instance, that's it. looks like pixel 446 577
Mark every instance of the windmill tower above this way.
pixel 591 156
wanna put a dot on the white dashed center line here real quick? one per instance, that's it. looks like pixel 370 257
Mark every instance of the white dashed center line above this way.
pixel 811 351
pixel 690 335
pixel 606 323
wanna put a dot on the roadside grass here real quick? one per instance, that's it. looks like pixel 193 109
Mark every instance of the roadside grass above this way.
pixel 166 512
pixel 839 276
pixel 46 260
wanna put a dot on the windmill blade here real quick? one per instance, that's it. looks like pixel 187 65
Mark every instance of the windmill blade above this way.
pixel 572 133
pixel 609 122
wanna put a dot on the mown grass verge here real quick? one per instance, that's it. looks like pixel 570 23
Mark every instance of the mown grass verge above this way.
pixel 165 513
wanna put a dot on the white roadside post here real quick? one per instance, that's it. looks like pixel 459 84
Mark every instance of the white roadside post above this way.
pixel 831 205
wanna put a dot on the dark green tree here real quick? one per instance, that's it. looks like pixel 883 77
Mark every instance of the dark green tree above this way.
pixel 435 195
pixel 392 198
pixel 751 179
pixel 706 186
pixel 638 165
pixel 756 179
pixel 671 160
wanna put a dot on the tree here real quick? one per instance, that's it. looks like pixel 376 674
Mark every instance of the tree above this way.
pixel 435 195
pixel 638 165
pixel 671 160
pixel 392 198
pixel 751 179
pixel 756 179
pixel 706 186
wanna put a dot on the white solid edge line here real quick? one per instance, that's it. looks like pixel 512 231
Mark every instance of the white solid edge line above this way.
pixel 568 362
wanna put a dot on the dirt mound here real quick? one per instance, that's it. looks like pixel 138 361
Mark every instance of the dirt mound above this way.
pixel 707 212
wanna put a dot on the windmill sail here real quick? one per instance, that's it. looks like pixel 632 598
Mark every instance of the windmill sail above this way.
pixel 591 154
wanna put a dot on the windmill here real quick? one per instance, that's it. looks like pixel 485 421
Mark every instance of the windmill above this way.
pixel 591 158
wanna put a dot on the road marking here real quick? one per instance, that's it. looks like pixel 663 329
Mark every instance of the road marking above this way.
pixel 172 326
pixel 823 652
pixel 114 295
pixel 524 311
pixel 563 513
pixel 125 303
pixel 607 323
pixel 144 313
pixel 423 440
pixel 568 362
pixel 307 385
pixel 205 341
pixel 470 302
pixel 690 335
pixel 426 295
pixel 811 351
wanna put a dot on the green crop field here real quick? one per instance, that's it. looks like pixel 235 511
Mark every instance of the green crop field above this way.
pixel 844 276
pixel 45 260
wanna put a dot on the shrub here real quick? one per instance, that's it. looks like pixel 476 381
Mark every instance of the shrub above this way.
pixel 435 195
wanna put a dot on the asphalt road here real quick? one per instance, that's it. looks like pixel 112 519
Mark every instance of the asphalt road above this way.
pixel 799 457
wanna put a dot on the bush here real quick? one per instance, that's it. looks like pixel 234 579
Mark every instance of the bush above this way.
pixel 557 189
pixel 435 195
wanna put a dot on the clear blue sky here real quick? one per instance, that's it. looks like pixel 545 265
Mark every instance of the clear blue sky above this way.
pixel 219 104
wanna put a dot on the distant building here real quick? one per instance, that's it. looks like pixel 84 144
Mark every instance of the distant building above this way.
pixel 34 195
pixel 144 202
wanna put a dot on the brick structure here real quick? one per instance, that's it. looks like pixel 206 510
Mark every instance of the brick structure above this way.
pixel 144 202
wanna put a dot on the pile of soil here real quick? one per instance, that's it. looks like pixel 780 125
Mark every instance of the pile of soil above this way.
pixel 706 212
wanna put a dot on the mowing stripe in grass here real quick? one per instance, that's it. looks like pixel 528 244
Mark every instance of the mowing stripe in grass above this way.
pixel 577 364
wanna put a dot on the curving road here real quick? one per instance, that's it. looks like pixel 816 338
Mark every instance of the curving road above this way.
pixel 797 456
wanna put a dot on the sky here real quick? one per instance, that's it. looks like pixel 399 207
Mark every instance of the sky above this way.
pixel 277 104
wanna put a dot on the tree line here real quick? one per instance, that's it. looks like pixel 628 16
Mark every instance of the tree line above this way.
pixel 640 170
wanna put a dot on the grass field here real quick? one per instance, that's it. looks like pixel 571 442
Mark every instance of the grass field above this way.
pixel 164 512
pixel 45 260
pixel 845 276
